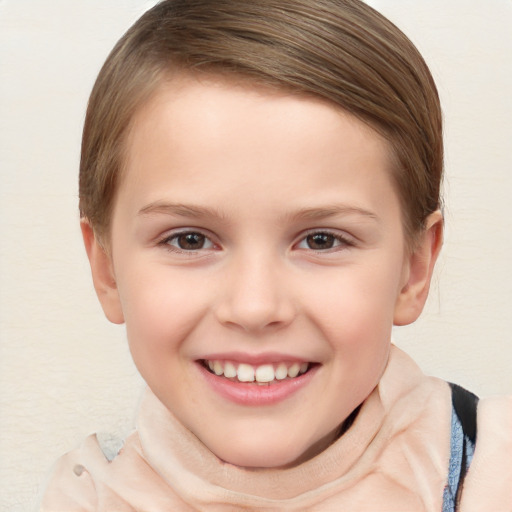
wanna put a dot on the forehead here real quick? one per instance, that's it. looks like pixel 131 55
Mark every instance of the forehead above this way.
pixel 203 98
pixel 214 134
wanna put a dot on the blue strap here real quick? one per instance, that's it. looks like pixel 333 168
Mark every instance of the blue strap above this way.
pixel 462 444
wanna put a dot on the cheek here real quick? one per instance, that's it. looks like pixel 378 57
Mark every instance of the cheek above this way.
pixel 358 300
pixel 354 313
pixel 161 308
pixel 160 314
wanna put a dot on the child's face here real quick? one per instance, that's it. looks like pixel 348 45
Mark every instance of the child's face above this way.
pixel 259 229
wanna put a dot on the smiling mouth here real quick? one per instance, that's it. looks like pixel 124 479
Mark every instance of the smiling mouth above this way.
pixel 260 374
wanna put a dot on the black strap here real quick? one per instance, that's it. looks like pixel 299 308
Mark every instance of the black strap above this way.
pixel 465 404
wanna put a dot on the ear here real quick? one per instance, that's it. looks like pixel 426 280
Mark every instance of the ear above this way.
pixel 418 268
pixel 102 275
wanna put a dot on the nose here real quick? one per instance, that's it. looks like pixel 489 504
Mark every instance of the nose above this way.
pixel 256 295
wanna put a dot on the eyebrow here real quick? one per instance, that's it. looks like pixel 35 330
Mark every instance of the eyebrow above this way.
pixel 196 211
pixel 332 211
pixel 180 210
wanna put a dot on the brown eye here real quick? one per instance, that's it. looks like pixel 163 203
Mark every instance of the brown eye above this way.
pixel 190 241
pixel 320 241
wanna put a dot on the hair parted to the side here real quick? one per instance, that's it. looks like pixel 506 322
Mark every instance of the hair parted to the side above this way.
pixel 339 50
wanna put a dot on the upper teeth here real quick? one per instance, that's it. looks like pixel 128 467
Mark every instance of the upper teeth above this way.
pixel 263 373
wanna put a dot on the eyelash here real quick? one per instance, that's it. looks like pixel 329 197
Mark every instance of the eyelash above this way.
pixel 340 241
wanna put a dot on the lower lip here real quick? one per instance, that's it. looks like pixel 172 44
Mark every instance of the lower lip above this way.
pixel 256 394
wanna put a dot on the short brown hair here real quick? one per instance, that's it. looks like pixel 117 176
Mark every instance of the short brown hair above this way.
pixel 340 50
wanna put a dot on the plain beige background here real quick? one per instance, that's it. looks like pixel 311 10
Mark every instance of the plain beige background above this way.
pixel 65 372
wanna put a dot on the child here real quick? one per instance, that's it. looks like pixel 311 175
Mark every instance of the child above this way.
pixel 259 193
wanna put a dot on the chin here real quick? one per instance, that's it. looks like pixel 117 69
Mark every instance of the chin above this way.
pixel 267 455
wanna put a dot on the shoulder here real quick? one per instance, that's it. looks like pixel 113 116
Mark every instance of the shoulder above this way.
pixel 72 485
pixel 488 484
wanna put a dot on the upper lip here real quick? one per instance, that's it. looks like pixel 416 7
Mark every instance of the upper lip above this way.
pixel 255 359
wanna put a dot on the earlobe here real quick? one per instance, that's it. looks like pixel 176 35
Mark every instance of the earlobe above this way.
pixel 102 275
pixel 419 268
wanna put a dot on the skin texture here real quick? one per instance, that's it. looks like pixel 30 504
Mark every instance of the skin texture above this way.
pixel 256 172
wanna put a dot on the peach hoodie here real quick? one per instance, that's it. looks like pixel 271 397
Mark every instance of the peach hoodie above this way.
pixel 394 458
